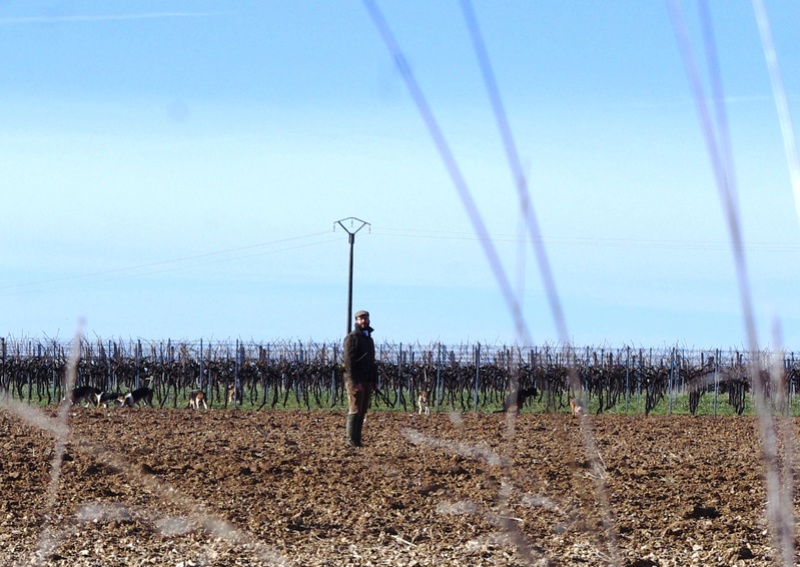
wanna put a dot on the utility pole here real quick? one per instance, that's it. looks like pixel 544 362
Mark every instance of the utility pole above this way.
pixel 351 231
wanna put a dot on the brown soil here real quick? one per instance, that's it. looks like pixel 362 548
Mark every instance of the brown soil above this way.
pixel 225 487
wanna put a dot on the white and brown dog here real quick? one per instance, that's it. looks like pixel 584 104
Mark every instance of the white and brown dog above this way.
pixel 422 403
pixel 576 407
pixel 197 398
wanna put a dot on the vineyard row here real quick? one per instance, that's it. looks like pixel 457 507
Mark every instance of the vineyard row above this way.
pixel 462 378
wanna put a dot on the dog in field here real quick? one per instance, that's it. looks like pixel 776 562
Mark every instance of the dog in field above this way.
pixel 234 395
pixel 423 404
pixel 197 398
pixel 517 402
pixel 140 396
pixel 82 394
pixel 576 407
pixel 105 398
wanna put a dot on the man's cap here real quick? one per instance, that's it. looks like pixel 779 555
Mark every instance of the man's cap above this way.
pixel 362 313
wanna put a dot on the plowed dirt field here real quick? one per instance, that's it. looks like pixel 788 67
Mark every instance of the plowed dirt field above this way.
pixel 234 487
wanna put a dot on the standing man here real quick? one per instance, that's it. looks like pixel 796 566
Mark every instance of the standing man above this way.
pixel 360 375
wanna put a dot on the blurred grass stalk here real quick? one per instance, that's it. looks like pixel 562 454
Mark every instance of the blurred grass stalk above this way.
pixel 779 502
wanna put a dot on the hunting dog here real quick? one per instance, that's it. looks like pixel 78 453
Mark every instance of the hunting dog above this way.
pixel 576 407
pixel 140 396
pixel 197 398
pixel 234 395
pixel 105 398
pixel 422 403
pixel 517 402
pixel 82 394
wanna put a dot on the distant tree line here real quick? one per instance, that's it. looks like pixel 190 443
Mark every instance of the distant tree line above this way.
pixel 467 377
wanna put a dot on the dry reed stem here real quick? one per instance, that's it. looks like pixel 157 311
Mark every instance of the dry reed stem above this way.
pixel 510 298
pixel 717 142
pixel 47 540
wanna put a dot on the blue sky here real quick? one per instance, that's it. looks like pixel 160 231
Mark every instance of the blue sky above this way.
pixel 174 169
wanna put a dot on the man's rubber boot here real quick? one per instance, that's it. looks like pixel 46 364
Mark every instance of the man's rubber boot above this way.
pixel 352 430
pixel 359 424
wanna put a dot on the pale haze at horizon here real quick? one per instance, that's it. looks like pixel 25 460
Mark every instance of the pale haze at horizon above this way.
pixel 176 170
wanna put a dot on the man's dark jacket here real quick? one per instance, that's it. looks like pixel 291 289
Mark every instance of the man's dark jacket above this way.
pixel 359 357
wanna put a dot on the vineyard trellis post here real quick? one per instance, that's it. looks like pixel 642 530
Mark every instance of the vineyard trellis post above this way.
pixel 166 359
pixel 787 384
pixel 202 385
pixel 791 383
pixel 236 364
pixel 549 390
pixel 334 391
pixel 169 381
pixel 531 367
pixel 3 373
pixel 671 379
pixel 477 376
pixel 641 374
pixel 55 374
pixel 108 365
pixel 29 374
pixel 263 357
pixel 138 364
pixel 410 378
pixel 716 381
pixel 439 391
pixel 399 385
pixel 627 377
pixel 242 360
pixel 210 374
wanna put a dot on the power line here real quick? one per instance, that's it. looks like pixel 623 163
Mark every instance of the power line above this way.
pixel 163 266
pixel 593 241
